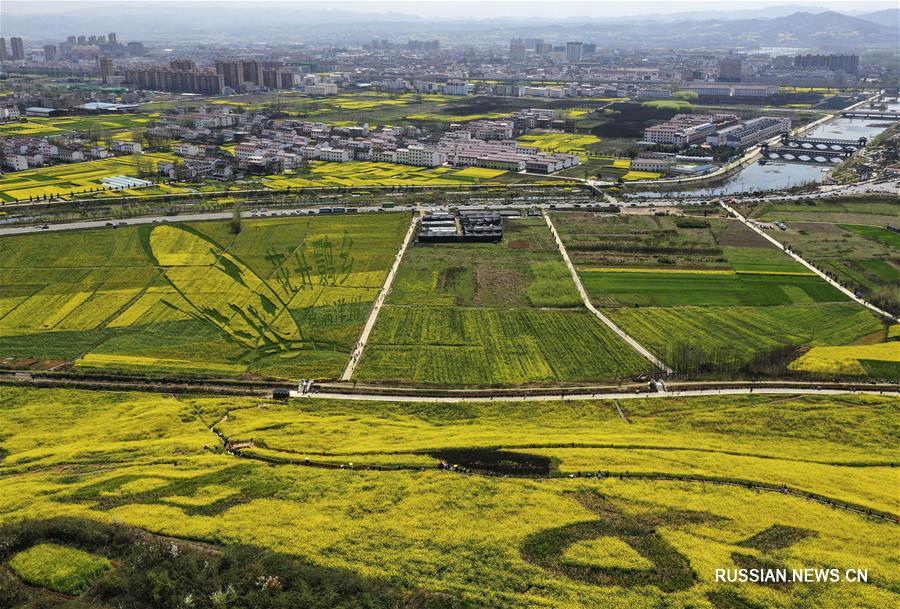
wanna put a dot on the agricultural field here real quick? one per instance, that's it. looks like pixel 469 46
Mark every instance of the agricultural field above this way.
pixel 294 103
pixel 303 520
pixel 374 108
pixel 707 295
pixel 731 339
pixel 847 237
pixel 67 125
pixel 880 360
pixel 454 118
pixel 58 568
pixel 680 105
pixel 608 168
pixel 364 173
pixel 668 288
pixel 561 142
pixel 62 180
pixel 282 298
pixel 874 210
pixel 487 314
pixel 632 176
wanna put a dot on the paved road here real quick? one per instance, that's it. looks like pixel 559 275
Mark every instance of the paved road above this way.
pixel 812 268
pixel 585 396
pixel 356 354
pixel 890 187
pixel 590 307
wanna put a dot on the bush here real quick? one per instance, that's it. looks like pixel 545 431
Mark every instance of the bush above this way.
pixel 691 223
pixel 234 224
pixel 887 297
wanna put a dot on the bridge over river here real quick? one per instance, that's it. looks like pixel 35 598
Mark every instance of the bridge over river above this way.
pixel 890 116
pixel 813 144
pixel 803 155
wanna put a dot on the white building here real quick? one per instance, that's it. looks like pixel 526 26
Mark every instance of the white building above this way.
pixel 654 93
pixel 490 130
pixel 754 90
pixel 425 86
pixel 66 154
pixel 505 155
pixel 17 162
pixel 8 113
pixel 48 149
pixel 710 89
pixel 321 90
pixel 420 156
pixel 335 155
pixel 685 129
pixel 127 147
pixel 655 162
pixel 458 88
pixel 750 133
pixel 185 149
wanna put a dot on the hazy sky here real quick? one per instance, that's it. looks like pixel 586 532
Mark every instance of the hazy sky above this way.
pixel 481 9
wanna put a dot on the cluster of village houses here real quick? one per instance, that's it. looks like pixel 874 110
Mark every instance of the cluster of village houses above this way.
pixel 264 146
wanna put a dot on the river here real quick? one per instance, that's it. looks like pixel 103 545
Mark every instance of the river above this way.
pixel 771 175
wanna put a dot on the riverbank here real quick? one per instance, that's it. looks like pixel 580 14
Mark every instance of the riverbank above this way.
pixel 722 174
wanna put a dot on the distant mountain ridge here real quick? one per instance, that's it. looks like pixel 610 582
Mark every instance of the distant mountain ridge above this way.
pixel 174 21
pixel 886 17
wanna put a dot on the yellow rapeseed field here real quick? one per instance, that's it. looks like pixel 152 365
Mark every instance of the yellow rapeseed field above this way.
pixel 848 360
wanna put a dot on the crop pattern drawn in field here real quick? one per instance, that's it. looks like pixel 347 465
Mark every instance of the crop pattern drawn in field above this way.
pixel 621 540
pixel 280 298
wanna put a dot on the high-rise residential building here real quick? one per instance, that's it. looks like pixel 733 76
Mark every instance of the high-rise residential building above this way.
pixel 730 69
pixel 272 79
pixel 92 39
pixel 204 82
pixel 49 52
pixel 82 40
pixel 516 50
pixel 3 55
pixel 286 80
pixel 252 71
pixel 231 73
pixel 267 73
pixel 18 48
pixel 182 65
pixel 543 48
pixel 574 51
pixel 136 49
pixel 106 69
pixel 111 37
pixel 73 40
pixel 844 63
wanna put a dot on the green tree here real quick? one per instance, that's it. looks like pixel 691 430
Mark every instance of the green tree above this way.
pixel 235 224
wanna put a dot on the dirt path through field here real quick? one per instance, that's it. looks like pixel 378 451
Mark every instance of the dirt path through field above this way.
pixel 808 265
pixel 590 307
pixel 356 354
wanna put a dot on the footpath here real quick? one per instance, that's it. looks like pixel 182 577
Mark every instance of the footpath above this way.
pixel 590 307
pixel 752 226
pixel 356 354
